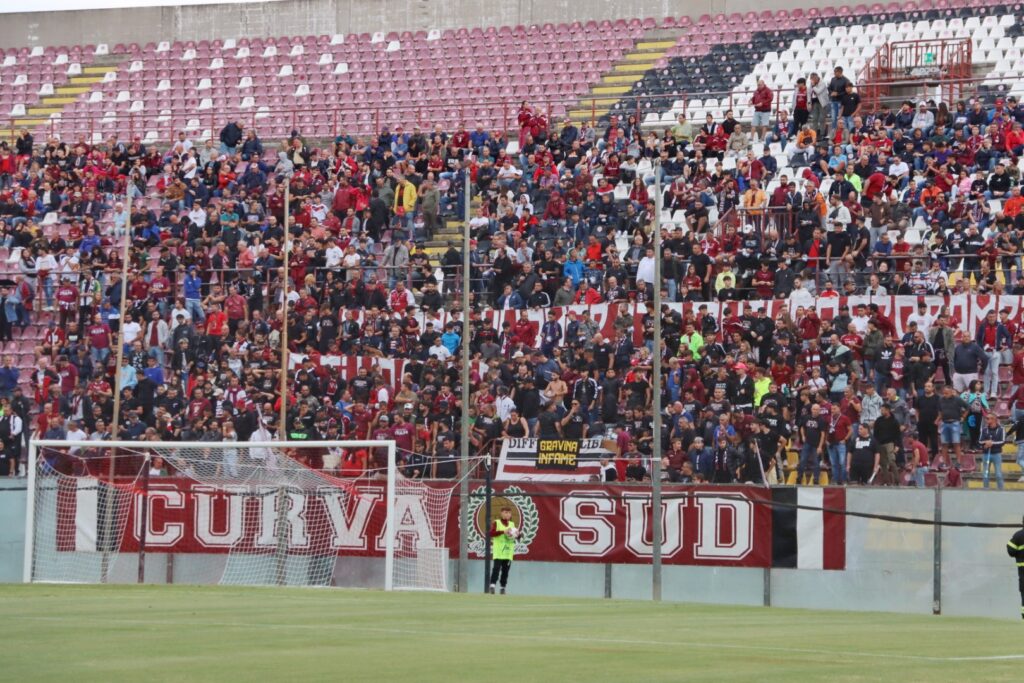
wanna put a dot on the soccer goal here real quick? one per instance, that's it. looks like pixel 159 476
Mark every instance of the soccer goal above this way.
pixel 233 513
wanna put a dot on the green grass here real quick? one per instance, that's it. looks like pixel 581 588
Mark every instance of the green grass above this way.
pixel 120 633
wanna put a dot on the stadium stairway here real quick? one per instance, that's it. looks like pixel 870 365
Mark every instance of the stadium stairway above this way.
pixel 607 94
pixel 56 98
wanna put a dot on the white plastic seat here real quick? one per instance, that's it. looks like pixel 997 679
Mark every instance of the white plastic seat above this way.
pixel 188 55
pixel 302 90
pixel 245 82
pixel 37 51
pixel 270 51
pixel 163 46
pixel 18 110
pixel 204 84
pixel 74 69
pixel 46 89
pixel 164 84
pixel 285 70
pixel 248 102
pixel 434 34
pixel 341 68
pixel 229 44
pixel 123 96
pixel 393 46
pixel 96 96
pixel 137 106
pixel 60 59
pixel 325 58
pixel 216 63
pixel 242 52
pixel 136 66
pixel 110 77
pixel 377 37
pixel 338 39
pixel 297 50
pixel 205 103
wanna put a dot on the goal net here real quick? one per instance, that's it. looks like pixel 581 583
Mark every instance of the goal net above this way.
pixel 234 513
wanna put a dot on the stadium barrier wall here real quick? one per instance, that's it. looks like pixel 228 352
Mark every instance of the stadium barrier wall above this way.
pixel 890 566
pixel 327 17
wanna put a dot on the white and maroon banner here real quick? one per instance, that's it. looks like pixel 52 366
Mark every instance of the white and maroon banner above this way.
pixel 551 460
pixel 702 525
pixel 967 312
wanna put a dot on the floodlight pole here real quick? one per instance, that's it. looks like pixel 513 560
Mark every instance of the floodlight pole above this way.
pixel 282 429
pixel 464 421
pixel 655 303
pixel 108 520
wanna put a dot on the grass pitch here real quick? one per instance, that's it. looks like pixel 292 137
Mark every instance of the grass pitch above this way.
pixel 178 633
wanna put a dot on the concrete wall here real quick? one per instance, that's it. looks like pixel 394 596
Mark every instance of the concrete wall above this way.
pixel 303 17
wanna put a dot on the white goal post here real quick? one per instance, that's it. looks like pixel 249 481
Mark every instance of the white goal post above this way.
pixel 236 512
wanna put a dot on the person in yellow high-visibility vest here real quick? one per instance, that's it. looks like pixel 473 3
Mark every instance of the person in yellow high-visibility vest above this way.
pixel 503 547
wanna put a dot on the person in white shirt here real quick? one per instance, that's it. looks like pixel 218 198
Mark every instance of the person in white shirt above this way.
pixel 333 255
pixel 198 216
pixel 800 296
pixel 130 329
pixel 860 320
pixel 645 270
pixel 923 320
pixel 439 350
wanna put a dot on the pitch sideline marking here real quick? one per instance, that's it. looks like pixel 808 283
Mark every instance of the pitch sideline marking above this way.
pixel 852 654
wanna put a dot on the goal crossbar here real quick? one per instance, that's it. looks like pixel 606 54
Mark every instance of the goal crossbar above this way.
pixel 36 444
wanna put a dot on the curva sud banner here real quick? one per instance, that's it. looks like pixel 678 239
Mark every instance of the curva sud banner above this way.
pixel 741 526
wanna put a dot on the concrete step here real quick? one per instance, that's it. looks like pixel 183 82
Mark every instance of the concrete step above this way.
pixel 632 67
pixel 651 45
pixel 85 79
pixel 587 114
pixel 43 111
pixel 71 90
pixel 642 56
pixel 623 78
pixel 47 100
pixel 99 69
pixel 612 89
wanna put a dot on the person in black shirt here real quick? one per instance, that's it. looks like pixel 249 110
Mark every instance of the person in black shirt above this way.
pixel 888 435
pixel 812 433
pixel 574 425
pixel 548 424
pixel 927 417
pixel 864 458
pixel 446 459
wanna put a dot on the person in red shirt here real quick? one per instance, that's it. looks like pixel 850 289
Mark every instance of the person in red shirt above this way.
pixel 100 340
pixel 764 281
pixel 236 307
pixel 839 428
pixel 216 327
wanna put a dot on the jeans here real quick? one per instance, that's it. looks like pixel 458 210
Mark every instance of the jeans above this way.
pixel 837 458
pixel 99 356
pixel 836 108
pixel 1020 455
pixel 195 309
pixel 950 432
pixel 996 461
pixel 808 460
pixel 919 473
pixel 990 378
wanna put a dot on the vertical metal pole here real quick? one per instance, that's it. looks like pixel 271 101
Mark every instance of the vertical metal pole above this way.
pixel 937 553
pixel 464 422
pixel 487 526
pixel 144 520
pixel 389 522
pixel 108 519
pixel 30 515
pixel 655 302
pixel 282 430
pixel 125 255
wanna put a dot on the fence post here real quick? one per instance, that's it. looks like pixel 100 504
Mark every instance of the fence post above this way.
pixel 937 553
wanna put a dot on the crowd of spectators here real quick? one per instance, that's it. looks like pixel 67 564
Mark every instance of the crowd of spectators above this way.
pixel 563 216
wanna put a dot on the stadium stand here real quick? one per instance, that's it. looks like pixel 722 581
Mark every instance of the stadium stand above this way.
pixel 783 299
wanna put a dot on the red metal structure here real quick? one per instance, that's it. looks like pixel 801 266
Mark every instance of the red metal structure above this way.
pixel 944 63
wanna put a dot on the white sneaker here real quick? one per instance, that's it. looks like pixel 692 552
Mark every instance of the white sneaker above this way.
pixel 1021 480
